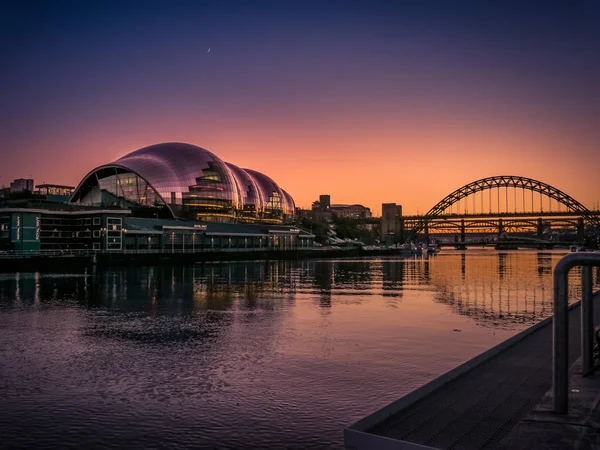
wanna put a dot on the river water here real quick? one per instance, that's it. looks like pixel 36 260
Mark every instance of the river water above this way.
pixel 260 354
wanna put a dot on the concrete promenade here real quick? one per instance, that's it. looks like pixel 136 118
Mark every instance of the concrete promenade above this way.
pixel 499 399
pixel 579 429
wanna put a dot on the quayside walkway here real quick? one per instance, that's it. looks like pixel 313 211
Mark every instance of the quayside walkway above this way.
pixel 479 404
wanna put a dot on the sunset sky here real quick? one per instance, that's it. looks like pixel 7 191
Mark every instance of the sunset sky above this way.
pixel 368 101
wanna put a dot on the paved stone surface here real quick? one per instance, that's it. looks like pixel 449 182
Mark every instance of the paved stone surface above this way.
pixel 579 429
pixel 480 408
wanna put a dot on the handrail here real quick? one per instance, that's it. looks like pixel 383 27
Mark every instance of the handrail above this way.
pixel 560 324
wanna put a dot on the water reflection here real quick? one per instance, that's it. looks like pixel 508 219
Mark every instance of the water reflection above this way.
pixel 544 261
pixel 393 274
pixel 270 349
pixel 494 289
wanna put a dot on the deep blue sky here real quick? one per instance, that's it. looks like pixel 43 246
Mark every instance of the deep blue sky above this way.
pixel 486 82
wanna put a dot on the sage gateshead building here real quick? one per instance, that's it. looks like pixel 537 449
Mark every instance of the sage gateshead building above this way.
pixel 170 196
pixel 183 181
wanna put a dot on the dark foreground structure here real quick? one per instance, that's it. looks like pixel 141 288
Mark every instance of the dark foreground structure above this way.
pixel 490 401
pixel 33 230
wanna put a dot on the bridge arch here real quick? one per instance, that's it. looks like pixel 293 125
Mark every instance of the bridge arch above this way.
pixel 505 181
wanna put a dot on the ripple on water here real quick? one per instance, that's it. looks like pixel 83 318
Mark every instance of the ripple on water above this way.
pixel 262 354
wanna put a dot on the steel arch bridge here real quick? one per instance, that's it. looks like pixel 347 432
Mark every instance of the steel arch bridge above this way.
pixel 573 208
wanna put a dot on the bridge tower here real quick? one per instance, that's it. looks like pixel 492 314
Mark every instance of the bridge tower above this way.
pixel 580 230
pixel 392 223
pixel 540 228
pixel 462 231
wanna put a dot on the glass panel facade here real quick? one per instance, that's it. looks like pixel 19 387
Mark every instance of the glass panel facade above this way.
pixel 129 187
pixel 289 207
pixel 190 182
pixel 272 197
pixel 250 195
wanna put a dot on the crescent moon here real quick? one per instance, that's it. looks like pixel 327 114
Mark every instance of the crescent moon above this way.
pixel 208 51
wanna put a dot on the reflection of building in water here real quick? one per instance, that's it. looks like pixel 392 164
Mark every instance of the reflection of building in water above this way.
pixel 501 264
pixel 393 277
pixel 200 302
pixel 544 264
pixel 344 277
pixel 494 291
pixel 35 288
pixel 162 289
pixel 323 273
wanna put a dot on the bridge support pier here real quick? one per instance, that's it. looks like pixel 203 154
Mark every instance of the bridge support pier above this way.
pixel 540 229
pixel 580 230
pixel 500 227
pixel 426 230
pixel 462 231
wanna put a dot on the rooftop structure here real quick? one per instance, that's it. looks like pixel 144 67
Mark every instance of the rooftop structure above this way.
pixel 177 180
pixel 323 208
pixel 351 211
pixel 54 189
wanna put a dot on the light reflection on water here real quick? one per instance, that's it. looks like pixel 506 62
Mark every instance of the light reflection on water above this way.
pixel 261 354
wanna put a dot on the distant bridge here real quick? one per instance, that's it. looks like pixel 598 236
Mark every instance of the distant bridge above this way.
pixel 497 206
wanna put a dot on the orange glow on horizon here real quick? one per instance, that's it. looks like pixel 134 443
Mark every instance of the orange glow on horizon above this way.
pixel 368 103
pixel 414 166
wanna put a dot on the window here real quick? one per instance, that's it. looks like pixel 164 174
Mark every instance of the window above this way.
pixel 96 245
pixel 114 234
pixel 96 220
pixel 96 234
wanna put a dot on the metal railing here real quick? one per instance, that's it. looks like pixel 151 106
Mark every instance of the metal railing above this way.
pixel 560 324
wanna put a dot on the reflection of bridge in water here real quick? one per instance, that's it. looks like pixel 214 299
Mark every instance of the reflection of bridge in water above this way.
pixel 494 289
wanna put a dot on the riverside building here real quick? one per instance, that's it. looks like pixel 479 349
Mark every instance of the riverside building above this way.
pixel 166 197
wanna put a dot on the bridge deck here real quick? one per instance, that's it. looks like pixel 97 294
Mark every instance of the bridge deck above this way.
pixel 476 404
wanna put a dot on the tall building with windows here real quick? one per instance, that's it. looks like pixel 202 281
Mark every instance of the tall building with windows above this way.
pixel 351 211
pixel 21 185
pixel 391 223
pixel 325 202
pixel 323 208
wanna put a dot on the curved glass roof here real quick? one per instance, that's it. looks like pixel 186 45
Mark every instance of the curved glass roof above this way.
pixel 190 181
pixel 289 208
pixel 250 194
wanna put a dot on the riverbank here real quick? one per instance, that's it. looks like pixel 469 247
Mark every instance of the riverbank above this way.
pixel 499 399
pixel 48 261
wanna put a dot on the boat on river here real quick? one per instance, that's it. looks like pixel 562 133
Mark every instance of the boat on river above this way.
pixel 432 249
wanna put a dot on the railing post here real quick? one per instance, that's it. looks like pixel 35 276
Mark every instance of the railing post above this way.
pixel 560 326
pixel 587 321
